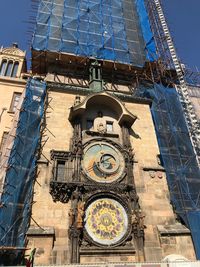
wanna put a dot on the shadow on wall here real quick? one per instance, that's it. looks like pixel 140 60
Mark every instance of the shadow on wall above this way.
pixel 134 134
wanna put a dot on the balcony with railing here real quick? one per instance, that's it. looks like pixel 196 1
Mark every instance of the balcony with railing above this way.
pixel 63 175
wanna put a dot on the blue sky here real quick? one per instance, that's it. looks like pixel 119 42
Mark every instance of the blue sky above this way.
pixel 182 16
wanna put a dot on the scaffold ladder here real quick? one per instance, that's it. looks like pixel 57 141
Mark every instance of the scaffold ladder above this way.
pixel 191 119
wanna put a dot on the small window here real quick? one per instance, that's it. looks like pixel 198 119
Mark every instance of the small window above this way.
pixel 100 114
pixel 15 102
pixel 60 172
pixel 96 73
pixel 9 68
pixel 15 69
pixel 109 126
pixel 3 142
pixel 89 124
pixel 3 67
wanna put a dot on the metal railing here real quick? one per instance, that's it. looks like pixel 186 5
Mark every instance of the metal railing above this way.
pixel 62 174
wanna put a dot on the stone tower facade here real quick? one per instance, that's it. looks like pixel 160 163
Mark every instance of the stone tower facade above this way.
pixel 101 193
pixel 95 184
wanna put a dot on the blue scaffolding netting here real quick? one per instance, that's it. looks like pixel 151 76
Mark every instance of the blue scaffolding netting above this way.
pixel 177 156
pixel 17 194
pixel 116 30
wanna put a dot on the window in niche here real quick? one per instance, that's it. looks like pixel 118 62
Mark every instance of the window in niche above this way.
pixel 89 124
pixel 3 142
pixel 15 68
pixel 9 68
pixel 109 126
pixel 3 67
pixel 15 102
pixel 60 170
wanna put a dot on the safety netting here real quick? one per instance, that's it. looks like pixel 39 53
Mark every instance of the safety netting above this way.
pixel 9 143
pixel 16 199
pixel 116 30
pixel 177 156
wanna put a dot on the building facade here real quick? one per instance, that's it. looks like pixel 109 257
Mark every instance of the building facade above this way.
pixel 12 84
pixel 102 154
pixel 13 65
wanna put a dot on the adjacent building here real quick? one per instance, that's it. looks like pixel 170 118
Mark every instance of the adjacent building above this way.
pixel 12 83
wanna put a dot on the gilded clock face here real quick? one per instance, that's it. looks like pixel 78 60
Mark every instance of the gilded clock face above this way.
pixel 103 162
pixel 106 221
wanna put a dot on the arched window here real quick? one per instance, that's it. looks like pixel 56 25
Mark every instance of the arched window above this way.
pixel 3 67
pixel 9 68
pixel 15 68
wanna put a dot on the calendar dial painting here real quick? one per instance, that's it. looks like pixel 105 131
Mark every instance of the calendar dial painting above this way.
pixel 106 221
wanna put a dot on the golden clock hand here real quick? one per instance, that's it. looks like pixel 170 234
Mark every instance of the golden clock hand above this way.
pixel 106 159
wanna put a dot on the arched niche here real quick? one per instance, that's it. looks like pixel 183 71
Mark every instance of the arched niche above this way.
pixel 105 103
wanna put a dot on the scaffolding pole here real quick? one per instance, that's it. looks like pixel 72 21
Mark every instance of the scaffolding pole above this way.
pixel 168 54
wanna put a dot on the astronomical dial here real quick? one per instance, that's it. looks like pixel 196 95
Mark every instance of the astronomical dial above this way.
pixel 103 162
pixel 106 221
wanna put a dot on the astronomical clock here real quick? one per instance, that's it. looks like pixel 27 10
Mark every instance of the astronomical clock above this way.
pixel 105 217
pixel 103 162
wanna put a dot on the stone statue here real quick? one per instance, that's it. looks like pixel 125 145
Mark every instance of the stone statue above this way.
pixel 80 214
pixel 76 196
pixel 101 128
pixel 134 218
pixel 141 217
pixel 71 217
pixel 77 100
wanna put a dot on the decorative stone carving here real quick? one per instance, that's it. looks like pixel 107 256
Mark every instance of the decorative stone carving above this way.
pixel 152 174
pixel 141 217
pixel 80 214
pixel 101 128
pixel 75 197
pixel 76 144
pixel 77 100
pixel 104 97
pixel 71 217
pixel 160 175
pixel 13 51
pixel 134 219
pixel 56 154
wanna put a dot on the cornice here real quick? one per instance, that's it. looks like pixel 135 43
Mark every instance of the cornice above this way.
pixel 13 51
pixel 55 86
pixel 12 81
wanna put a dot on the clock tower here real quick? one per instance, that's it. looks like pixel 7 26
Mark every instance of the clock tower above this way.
pixel 104 135
pixel 105 217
